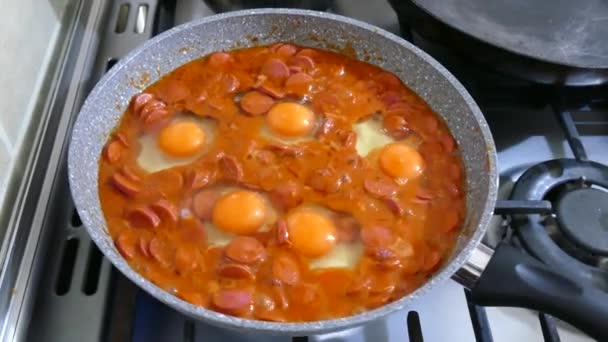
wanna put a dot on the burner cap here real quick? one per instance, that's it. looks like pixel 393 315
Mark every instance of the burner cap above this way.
pixel 583 217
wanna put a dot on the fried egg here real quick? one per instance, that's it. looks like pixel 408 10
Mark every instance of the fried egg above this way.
pixel 239 212
pixel 313 234
pixel 181 141
pixel 289 123
pixel 399 160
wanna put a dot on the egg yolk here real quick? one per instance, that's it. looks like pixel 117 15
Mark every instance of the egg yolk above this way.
pixel 239 212
pixel 401 161
pixel 311 233
pixel 290 119
pixel 181 139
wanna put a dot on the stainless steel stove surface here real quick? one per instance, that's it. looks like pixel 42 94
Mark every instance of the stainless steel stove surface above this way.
pixel 62 289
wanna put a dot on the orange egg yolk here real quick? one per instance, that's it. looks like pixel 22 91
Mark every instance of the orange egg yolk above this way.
pixel 181 139
pixel 239 212
pixel 401 161
pixel 311 233
pixel 290 119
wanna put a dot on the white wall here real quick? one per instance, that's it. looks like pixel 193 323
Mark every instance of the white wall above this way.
pixel 28 33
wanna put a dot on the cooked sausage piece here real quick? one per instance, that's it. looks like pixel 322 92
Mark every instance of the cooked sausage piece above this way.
pixel 231 168
pixel 245 249
pixel 275 69
pixel 203 203
pixel 143 217
pixel 232 301
pixel 113 151
pixel 286 270
pixel 124 185
pixel 286 195
pixel 235 271
pixel 380 186
pixel 165 210
pixel 256 103
pixel 377 236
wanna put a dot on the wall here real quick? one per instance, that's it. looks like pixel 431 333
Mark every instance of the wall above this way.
pixel 28 34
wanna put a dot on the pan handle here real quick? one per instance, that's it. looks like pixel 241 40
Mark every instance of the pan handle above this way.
pixel 510 277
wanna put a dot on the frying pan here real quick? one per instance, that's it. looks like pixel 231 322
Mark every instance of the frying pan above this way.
pixel 104 107
pixel 558 42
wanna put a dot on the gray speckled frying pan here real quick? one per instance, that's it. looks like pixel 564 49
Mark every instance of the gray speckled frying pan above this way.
pixel 146 64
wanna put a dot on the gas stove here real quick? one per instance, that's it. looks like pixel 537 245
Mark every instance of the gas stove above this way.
pixel 63 289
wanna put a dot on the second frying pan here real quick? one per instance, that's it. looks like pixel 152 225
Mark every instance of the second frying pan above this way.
pixel 548 41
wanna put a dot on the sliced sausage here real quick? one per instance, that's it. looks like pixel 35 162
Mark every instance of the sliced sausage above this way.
pixel 360 284
pixel 219 59
pixel 140 100
pixel 192 230
pixel 256 103
pixel 280 296
pixel 299 84
pixel 423 196
pixel 231 168
pixel 347 138
pixel 347 229
pixel 286 270
pixel 271 90
pixel 160 251
pixel 165 210
pixel 388 80
pixel 328 125
pixel 304 62
pixel 185 260
pixel 307 52
pixel 380 186
pixel 325 180
pixel 283 150
pixel 282 233
pixel 173 92
pixel 124 185
pixel 198 178
pixel 125 244
pixel 448 143
pixel 130 174
pixel 377 236
pixel 245 249
pixel 286 50
pixel 390 98
pixel 203 203
pixel 275 69
pixel 143 246
pixel 431 261
pixel 143 217
pixel 150 107
pixel 275 47
pixel 394 205
pixel 381 253
pixel 113 151
pixel 169 182
pixel 287 195
pixel 235 271
pixel 396 126
pixel 232 301
pixel 230 83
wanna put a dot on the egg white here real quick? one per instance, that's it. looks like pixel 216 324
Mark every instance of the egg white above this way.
pixel 151 158
pixel 370 136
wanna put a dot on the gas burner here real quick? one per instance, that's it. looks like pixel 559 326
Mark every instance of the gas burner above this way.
pixel 574 238
pixel 582 215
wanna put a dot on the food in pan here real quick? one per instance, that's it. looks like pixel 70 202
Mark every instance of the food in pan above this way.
pixel 282 183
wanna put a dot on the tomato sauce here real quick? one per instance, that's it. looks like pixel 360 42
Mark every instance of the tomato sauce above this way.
pixel 160 220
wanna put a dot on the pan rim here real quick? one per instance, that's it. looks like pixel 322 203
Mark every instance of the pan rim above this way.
pixel 294 328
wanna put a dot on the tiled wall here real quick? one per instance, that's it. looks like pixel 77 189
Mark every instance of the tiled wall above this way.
pixel 29 30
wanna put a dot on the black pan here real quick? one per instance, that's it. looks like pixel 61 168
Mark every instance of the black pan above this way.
pixel 548 41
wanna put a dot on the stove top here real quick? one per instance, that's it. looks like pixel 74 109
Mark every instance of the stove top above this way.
pixel 67 291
